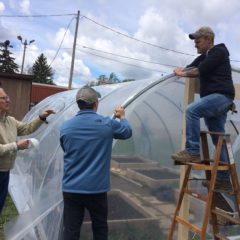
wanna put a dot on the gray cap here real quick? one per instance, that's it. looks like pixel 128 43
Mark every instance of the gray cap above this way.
pixel 202 32
pixel 87 94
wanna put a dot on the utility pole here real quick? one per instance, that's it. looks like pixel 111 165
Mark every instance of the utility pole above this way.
pixel 25 43
pixel 24 52
pixel 73 52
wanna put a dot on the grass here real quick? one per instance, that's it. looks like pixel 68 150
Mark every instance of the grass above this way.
pixel 9 212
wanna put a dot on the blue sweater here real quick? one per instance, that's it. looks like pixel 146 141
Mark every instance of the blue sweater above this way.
pixel 86 140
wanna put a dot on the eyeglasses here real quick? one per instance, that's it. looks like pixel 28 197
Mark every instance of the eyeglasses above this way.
pixel 5 98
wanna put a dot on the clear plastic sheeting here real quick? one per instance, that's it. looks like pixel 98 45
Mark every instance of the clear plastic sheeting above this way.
pixel 144 180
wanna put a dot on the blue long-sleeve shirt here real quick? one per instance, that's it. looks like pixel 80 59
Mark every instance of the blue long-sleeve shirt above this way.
pixel 86 140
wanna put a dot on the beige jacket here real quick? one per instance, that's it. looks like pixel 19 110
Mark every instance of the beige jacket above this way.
pixel 10 128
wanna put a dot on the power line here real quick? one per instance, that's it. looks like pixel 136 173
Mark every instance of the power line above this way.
pixel 139 40
pixel 61 41
pixel 140 60
pixel 38 15
pixel 133 65
pixel 104 26
pixel 136 39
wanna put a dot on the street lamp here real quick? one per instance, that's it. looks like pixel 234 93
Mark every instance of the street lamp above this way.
pixel 25 43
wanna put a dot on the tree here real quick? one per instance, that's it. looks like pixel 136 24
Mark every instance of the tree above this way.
pixel 92 84
pixel 113 78
pixel 7 64
pixel 103 79
pixel 41 71
pixel 128 80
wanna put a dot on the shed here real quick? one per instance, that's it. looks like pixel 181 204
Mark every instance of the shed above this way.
pixel 18 87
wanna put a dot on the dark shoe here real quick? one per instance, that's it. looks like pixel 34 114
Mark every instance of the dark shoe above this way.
pixel 205 183
pixel 225 222
pixel 185 156
pixel 222 220
pixel 219 185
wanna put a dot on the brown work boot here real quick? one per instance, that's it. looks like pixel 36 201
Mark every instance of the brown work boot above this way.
pixel 185 156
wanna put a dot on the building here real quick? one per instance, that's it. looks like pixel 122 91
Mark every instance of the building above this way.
pixel 18 87
pixel 41 91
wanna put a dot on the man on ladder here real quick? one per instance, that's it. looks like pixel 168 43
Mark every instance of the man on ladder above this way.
pixel 216 98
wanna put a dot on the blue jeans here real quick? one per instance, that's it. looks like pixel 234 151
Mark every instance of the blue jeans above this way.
pixel 4 181
pixel 213 108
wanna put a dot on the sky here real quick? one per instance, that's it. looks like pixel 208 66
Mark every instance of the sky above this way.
pixel 135 39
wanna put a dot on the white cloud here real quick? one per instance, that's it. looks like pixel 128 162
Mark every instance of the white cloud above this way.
pixel 25 6
pixel 5 32
pixel 2 7
pixel 62 68
pixel 64 37
pixel 98 38
pixel 12 4
pixel 164 23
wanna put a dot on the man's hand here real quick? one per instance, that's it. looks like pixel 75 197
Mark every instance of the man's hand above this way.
pixel 179 72
pixel 22 144
pixel 192 73
pixel 119 113
pixel 46 113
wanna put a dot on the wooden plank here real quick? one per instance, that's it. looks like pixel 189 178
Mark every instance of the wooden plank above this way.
pixel 189 225
pixel 18 87
pixel 215 133
pixel 209 167
pixel 237 91
pixel 201 166
pixel 190 89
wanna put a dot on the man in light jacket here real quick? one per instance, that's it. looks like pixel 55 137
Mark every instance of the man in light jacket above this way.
pixel 10 128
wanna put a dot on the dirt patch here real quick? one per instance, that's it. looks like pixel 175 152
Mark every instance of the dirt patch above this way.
pixel 128 160
pixel 119 208
pixel 157 173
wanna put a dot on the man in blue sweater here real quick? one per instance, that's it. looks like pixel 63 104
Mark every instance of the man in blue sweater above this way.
pixel 86 140
pixel 216 96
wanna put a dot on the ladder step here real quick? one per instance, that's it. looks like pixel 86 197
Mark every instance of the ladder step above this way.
pixel 209 161
pixel 221 237
pixel 202 166
pixel 215 133
pixel 193 228
pixel 226 216
pixel 196 194
pixel 186 163
pixel 199 166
